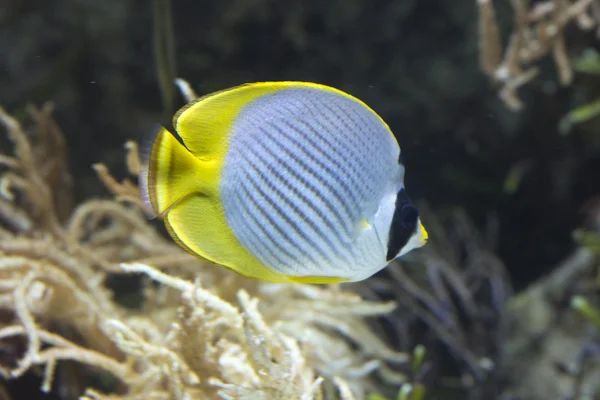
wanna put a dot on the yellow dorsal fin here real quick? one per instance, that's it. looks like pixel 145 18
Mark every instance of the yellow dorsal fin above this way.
pixel 173 173
pixel 205 124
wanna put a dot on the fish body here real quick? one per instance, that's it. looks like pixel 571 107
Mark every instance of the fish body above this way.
pixel 284 182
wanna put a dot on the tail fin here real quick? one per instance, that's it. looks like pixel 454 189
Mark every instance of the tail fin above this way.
pixel 170 173
pixel 145 149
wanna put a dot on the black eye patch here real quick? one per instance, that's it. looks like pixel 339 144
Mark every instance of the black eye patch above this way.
pixel 404 224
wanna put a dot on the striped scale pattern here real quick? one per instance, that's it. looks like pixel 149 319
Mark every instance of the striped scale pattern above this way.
pixel 305 168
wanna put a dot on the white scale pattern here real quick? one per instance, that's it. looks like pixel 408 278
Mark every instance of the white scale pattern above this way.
pixel 304 167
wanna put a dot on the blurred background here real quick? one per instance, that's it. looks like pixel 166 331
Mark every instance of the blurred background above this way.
pixel 520 180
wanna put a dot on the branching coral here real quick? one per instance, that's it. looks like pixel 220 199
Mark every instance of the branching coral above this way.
pixel 539 30
pixel 199 331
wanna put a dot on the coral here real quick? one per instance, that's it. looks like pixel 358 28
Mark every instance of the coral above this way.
pixel 539 30
pixel 194 330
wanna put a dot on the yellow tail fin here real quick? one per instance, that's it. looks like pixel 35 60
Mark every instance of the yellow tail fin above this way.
pixel 172 173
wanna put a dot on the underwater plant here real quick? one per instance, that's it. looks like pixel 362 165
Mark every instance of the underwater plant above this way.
pixel 413 390
pixel 451 297
pixel 588 62
pixel 551 347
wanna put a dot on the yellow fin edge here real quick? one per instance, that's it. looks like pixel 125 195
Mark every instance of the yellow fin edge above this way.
pixel 239 96
pixel 173 172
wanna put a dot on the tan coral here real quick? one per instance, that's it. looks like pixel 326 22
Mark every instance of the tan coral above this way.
pixel 538 30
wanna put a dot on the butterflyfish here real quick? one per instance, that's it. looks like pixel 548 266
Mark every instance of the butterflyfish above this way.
pixel 284 182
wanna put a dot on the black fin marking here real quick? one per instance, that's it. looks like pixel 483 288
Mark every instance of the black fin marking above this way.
pixel 404 224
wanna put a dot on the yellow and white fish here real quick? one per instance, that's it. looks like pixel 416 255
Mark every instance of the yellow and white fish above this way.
pixel 284 182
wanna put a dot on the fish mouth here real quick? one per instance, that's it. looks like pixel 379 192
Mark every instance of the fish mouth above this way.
pixel 423 235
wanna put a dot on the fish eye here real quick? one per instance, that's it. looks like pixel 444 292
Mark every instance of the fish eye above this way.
pixel 403 225
pixel 408 216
